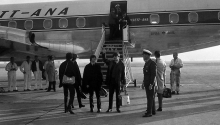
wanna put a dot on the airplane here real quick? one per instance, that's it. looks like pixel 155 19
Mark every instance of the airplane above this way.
pixel 76 26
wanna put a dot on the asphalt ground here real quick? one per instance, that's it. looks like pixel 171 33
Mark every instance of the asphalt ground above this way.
pixel 197 104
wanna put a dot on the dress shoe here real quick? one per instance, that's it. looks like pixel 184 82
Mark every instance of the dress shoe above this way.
pixel 147 115
pixel 15 90
pixel 41 89
pixel 153 113
pixel 71 112
pixel 9 91
pixel 118 110
pixel 28 90
pixel 177 93
pixel 81 105
pixel 99 110
pixel 72 106
pixel 159 109
pixel 109 110
pixel 91 110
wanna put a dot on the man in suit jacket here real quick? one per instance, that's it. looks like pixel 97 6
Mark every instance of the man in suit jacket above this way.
pixel 115 78
pixel 92 78
pixel 37 68
pixel 149 71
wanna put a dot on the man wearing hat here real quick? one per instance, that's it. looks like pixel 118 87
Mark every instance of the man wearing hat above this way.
pixel 149 71
pixel 115 78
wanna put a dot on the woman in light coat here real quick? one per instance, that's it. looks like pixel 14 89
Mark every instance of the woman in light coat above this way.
pixel 50 70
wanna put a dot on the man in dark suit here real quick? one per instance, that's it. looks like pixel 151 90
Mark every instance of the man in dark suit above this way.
pixel 92 79
pixel 115 78
pixel 149 71
pixel 77 85
pixel 37 68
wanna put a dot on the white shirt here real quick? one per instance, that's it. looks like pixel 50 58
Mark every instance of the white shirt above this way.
pixel 37 66
pixel 178 62
pixel 9 67
pixel 25 66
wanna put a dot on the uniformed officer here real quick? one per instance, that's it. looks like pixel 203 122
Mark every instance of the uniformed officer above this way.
pixel 149 71
pixel 26 70
pixel 12 67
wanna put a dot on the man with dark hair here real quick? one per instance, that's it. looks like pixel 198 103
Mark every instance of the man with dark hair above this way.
pixel 77 85
pixel 12 67
pixel 149 71
pixel 69 69
pixel 92 78
pixel 37 68
pixel 161 78
pixel 115 78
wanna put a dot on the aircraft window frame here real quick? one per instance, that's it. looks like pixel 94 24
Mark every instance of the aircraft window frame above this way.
pixel 12 22
pixel 50 25
pixel 156 21
pixel 66 23
pixel 219 15
pixel 26 25
pixel 77 22
pixel 197 17
pixel 177 15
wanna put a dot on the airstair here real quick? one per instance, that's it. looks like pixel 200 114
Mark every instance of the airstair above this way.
pixel 112 46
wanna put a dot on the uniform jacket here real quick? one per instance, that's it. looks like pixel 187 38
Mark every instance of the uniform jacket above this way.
pixel 149 71
pixel 71 70
pixel 34 66
pixel 92 76
pixel 120 71
pixel 50 70
pixel 25 66
pixel 9 67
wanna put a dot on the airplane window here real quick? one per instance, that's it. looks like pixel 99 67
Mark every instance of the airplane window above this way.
pixel 12 24
pixel 47 23
pixel 28 25
pixel 174 18
pixel 154 19
pixel 193 17
pixel 63 23
pixel 80 22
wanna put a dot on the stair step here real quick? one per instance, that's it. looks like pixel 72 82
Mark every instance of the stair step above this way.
pixel 112 42
pixel 113 45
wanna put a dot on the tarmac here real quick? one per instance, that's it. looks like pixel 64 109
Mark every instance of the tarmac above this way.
pixel 197 104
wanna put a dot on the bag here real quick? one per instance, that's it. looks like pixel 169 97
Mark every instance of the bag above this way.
pixel 124 99
pixel 68 80
pixel 103 92
pixel 167 93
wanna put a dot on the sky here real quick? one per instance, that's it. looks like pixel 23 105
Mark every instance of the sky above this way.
pixel 207 54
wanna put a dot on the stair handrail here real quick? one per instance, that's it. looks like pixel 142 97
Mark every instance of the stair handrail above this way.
pixel 101 43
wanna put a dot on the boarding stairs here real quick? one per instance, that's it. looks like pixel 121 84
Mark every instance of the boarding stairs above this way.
pixel 112 46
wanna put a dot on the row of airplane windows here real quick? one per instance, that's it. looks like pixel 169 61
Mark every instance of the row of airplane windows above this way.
pixel 81 21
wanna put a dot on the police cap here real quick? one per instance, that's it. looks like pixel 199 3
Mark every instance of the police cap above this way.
pixel 147 52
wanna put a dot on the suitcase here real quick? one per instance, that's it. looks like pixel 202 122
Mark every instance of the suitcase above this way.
pixel 167 93
pixel 124 99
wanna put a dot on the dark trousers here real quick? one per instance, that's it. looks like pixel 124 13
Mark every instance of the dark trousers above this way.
pixel 52 84
pixel 112 31
pixel 114 87
pixel 68 88
pixel 150 99
pixel 77 88
pixel 91 93
pixel 160 99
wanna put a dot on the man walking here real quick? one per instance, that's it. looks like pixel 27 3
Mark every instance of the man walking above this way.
pixel 37 68
pixel 12 67
pixel 149 71
pixel 92 78
pixel 26 70
pixel 175 65
pixel 115 78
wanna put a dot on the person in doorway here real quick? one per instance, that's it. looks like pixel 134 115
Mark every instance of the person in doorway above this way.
pixel 12 67
pixel 112 23
pixel 37 68
pixel 175 65
pixel 118 23
pixel 149 71
pixel 50 70
pixel 92 78
pixel 26 70
pixel 115 78
pixel 161 78
pixel 78 85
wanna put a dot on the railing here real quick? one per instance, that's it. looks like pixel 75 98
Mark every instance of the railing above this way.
pixel 126 60
pixel 101 43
